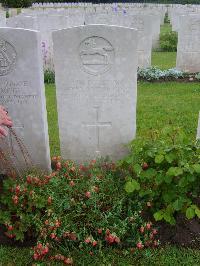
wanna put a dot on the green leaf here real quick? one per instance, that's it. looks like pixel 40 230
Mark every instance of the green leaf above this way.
pixel 191 178
pixel 146 192
pixel 170 157
pixel 159 158
pixel 149 173
pixel 178 204
pixel 159 179
pixel 190 213
pixel 158 215
pixel 131 186
pixel 196 168
pixel 167 217
pixel 137 168
pixel 197 211
pixel 168 179
pixel 168 196
pixel 183 182
pixel 174 171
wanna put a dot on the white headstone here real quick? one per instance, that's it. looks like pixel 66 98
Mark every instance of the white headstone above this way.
pixel 188 49
pixel 96 81
pixel 22 94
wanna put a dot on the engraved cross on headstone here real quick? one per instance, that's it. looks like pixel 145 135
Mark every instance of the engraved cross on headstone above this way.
pixel 98 125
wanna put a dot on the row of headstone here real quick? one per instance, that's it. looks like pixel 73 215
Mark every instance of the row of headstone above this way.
pixel 147 23
pixel 96 78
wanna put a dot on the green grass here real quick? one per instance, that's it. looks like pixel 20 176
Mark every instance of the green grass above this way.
pixel 159 257
pixel 158 105
pixel 52 119
pixel 165 28
pixel 164 60
pixel 173 103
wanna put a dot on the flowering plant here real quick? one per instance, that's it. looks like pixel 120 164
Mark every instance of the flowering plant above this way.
pixel 77 206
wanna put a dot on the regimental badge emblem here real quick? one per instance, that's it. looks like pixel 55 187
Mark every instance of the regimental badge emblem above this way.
pixel 96 55
pixel 8 57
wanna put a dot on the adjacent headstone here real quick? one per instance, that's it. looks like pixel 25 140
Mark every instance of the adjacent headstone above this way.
pixel 22 94
pixel 140 22
pixel 96 81
pixel 2 18
pixel 188 50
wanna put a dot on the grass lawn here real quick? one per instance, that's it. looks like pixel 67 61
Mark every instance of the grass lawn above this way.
pixel 158 105
pixel 159 257
pixel 164 60
pixel 165 28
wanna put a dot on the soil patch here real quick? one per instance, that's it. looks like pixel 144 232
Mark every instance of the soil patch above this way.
pixel 185 233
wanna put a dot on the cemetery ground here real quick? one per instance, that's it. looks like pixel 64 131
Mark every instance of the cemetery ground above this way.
pixel 159 105
pixel 173 103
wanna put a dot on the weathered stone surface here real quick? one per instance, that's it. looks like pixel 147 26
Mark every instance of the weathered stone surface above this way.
pixel 96 83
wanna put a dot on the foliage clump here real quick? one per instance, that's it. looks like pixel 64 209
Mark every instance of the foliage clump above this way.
pixel 17 3
pixel 154 73
pixel 169 41
pixel 165 171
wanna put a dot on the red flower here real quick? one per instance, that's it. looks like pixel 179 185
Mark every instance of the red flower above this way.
pixel 88 194
pixel 110 238
pixel 68 261
pixel 145 166
pixel 10 228
pixel 72 183
pixel 15 199
pixel 17 190
pixel 142 229
pixel 88 240
pixel 72 236
pixel 45 250
pixel 140 245
pixel 29 179
pixel 94 243
pixel 52 235
pixel 99 231
pixel 35 256
pixel 154 231
pixel 49 200
pixel 117 240
pixel 148 226
pixel 58 166
pixel 57 223
pixel 46 222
